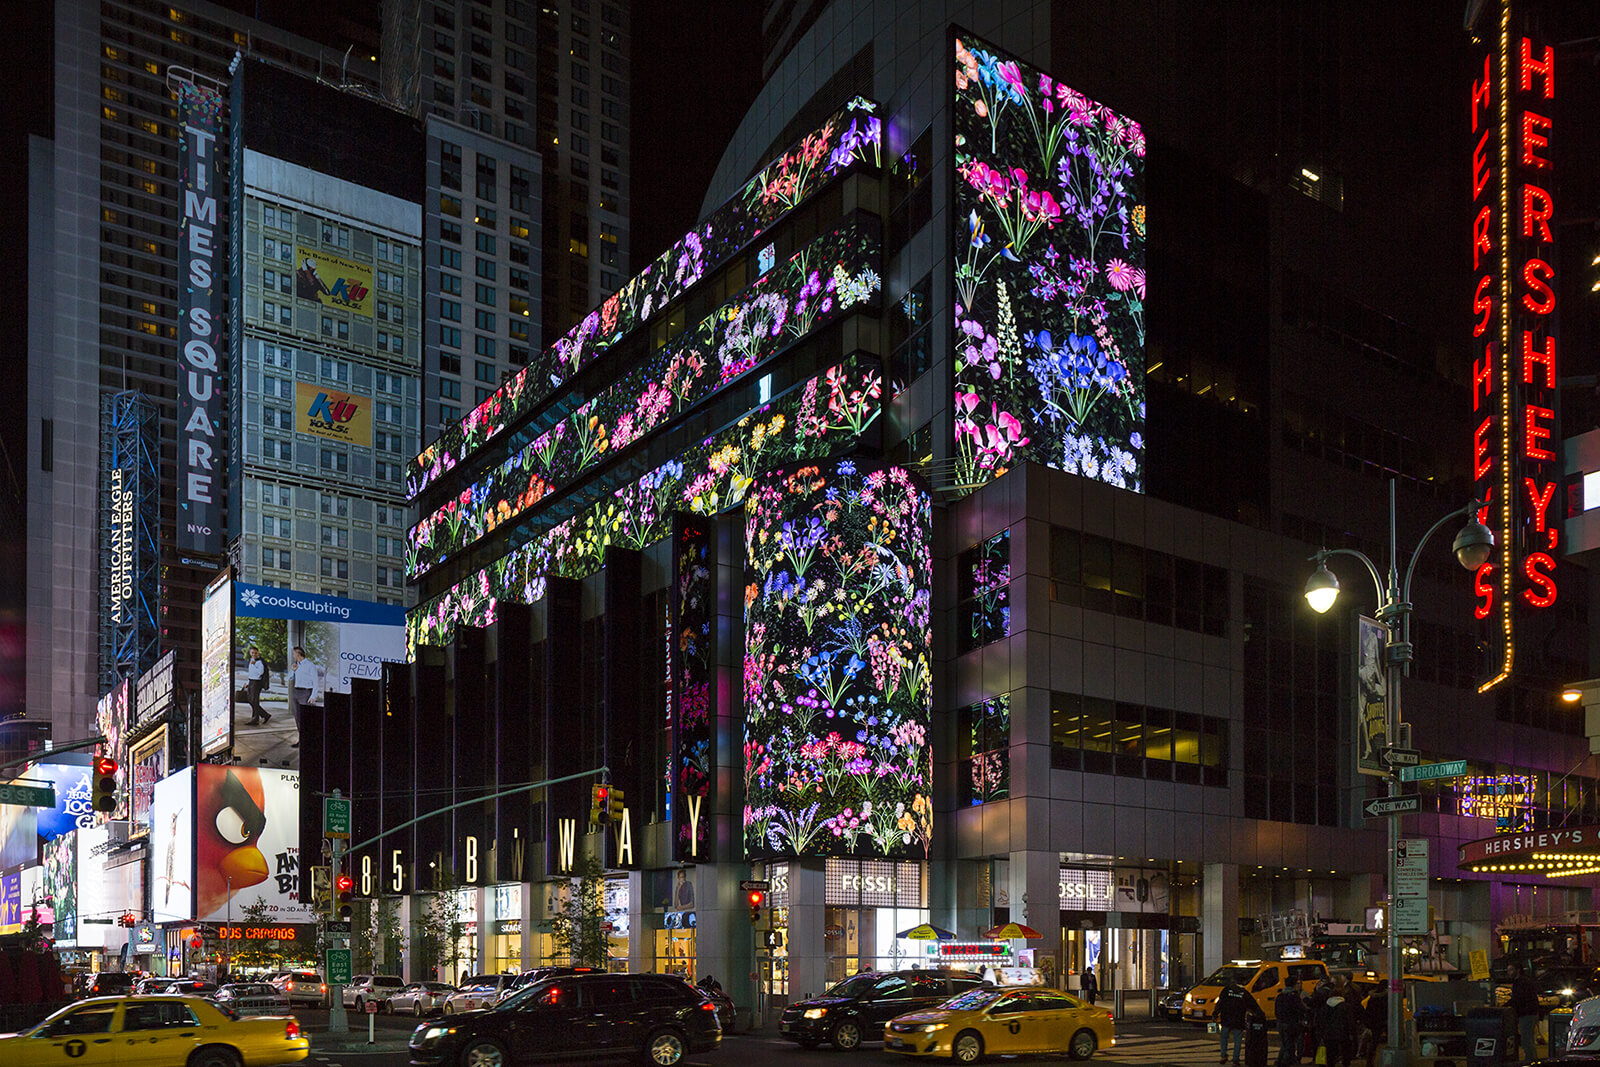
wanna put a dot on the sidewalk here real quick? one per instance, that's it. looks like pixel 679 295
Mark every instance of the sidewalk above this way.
pixel 355 1040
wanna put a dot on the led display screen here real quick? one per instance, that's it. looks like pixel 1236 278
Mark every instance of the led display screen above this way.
pixel 1049 275
pixel 111 721
pixel 826 415
pixel 201 338
pixel 172 848
pixel 693 729
pixel 832 274
pixel 851 135
pixel 837 662
pixel 247 843
pixel 338 640
pixel 61 886
pixel 19 832
pixel 68 773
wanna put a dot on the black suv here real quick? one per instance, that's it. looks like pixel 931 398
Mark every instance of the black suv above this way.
pixel 857 1009
pixel 659 1017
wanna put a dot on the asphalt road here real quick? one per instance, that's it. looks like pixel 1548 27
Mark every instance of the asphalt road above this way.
pixel 1140 1043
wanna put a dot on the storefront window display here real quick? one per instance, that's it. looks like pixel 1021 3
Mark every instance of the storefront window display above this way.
pixel 671 920
pixel 870 902
pixel 464 958
pixel 504 952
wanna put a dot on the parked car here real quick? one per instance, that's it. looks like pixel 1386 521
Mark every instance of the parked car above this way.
pixel 304 987
pixel 108 984
pixel 192 987
pixel 480 991
pixel 1001 1022
pixel 252 998
pixel 858 1008
pixel 106 1031
pixel 421 998
pixel 373 988
pixel 1171 1004
pixel 1262 979
pixel 659 1017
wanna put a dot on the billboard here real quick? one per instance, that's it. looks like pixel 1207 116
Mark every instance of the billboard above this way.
pixel 19 835
pixel 147 765
pixel 111 721
pixel 105 892
pixel 338 640
pixel 332 414
pixel 129 503
pixel 1049 238
pixel 247 843
pixel 200 324
pixel 1372 706
pixel 61 886
pixel 332 280
pixel 11 902
pixel 216 710
pixel 172 848
pixel 68 773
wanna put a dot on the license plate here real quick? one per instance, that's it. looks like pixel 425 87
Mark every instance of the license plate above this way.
pixel 897 1042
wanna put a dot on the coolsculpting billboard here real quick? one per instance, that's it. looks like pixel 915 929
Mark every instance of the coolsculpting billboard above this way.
pixel 290 650
pixel 201 336
pixel 1049 275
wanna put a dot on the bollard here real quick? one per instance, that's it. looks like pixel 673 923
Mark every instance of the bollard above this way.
pixel 1118 1003
pixel 1155 1005
pixel 372 1022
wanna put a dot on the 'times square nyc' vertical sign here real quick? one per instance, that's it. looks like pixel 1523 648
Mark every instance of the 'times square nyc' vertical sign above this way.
pixel 200 323
pixel 1516 442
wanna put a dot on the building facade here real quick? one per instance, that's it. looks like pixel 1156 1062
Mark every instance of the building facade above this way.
pixel 325 391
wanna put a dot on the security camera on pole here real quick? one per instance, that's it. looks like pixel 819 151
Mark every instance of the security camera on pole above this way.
pixel 1472 547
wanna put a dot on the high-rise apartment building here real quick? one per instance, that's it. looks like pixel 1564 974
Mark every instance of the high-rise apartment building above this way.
pixel 105 225
pixel 328 306
pixel 527 204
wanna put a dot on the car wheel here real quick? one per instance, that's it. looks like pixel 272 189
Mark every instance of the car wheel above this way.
pixel 213 1056
pixel 1082 1045
pixel 358 1005
pixel 416 1008
pixel 483 1053
pixel 845 1036
pixel 665 1048
pixel 968 1047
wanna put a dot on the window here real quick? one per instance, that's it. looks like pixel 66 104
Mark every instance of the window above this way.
pixel 449 415
pixel 484 346
pixel 484 268
pixel 450 231
pixel 485 294
pixel 336 536
pixel 983 748
pixel 335 568
pixel 983 612
pixel 449 388
pixel 484 372
pixel 335 505
pixel 450 337
pixel 450 310
pixel 383 576
pixel 335 460
pixel 484 320
pixel 450 283
pixel 485 243
pixel 449 165
pixel 383 546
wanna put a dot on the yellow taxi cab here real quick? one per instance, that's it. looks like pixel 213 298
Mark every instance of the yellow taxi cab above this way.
pixel 1002 1022
pixel 155 1031
pixel 1262 979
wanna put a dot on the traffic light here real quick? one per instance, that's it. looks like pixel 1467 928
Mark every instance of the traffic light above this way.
pixel 104 788
pixel 616 805
pixel 756 898
pixel 343 886
pixel 599 805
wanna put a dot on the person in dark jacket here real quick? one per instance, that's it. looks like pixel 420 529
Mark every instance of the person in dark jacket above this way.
pixel 1525 1003
pixel 1290 1008
pixel 1336 1028
pixel 1091 987
pixel 1235 1006
pixel 1375 1018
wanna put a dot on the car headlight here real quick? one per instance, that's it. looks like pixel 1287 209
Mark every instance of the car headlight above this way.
pixel 1568 992
pixel 928 1028
pixel 816 1013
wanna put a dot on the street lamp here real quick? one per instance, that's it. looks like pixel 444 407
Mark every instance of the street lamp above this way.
pixel 1472 547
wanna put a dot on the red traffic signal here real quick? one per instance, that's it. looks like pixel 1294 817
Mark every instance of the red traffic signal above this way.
pixel 345 883
pixel 342 888
pixel 756 898
pixel 103 790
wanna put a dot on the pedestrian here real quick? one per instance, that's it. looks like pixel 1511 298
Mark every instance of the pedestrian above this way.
pixel 1375 1016
pixel 1337 1027
pixel 256 674
pixel 1525 1003
pixel 1290 1008
pixel 1235 1006
pixel 1091 988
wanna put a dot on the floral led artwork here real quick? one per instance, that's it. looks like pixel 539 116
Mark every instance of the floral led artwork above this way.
pixel 1049 276
pixel 837 665
pixel 829 276
pixel 852 135
pixel 827 414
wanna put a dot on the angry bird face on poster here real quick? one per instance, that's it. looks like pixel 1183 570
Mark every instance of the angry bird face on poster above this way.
pixel 232 817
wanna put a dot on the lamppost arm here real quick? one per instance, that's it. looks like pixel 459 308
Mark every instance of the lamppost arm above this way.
pixel 1322 554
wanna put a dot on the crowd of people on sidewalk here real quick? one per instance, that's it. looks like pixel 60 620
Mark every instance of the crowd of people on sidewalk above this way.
pixel 1333 1025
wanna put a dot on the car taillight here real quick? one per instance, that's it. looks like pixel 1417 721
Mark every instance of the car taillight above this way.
pixel 706 1005
pixel 1111 1017
pixel 289 986
pixel 291 1029
pixel 324 988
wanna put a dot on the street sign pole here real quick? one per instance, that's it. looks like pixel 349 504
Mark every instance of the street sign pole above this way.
pixel 338 1021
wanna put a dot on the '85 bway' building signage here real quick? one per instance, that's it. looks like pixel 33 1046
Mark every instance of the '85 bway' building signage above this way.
pixel 200 325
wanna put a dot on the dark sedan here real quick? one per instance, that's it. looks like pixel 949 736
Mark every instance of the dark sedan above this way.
pixel 655 1016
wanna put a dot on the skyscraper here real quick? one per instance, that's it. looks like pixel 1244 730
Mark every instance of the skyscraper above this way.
pixel 105 217
pixel 527 204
